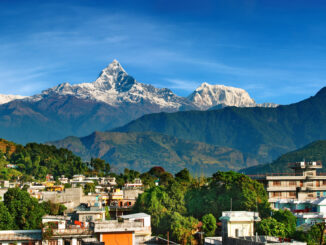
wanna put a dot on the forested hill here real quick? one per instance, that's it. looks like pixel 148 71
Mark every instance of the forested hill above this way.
pixel 141 151
pixel 315 151
pixel 37 160
pixel 261 133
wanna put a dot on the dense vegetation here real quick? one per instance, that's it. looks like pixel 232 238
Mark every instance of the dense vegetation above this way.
pixel 20 211
pixel 35 161
pixel 315 151
pixel 180 201
pixel 141 151
pixel 261 134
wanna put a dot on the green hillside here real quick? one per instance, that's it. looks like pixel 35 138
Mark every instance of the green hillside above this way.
pixel 37 160
pixel 141 151
pixel 315 151
pixel 261 134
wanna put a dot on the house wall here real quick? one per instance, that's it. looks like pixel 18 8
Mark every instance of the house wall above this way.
pixel 244 228
pixel 117 238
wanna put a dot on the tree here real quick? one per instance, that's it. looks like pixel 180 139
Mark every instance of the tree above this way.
pixel 89 188
pixel 209 224
pixel 183 228
pixel 53 208
pixel 25 210
pixel 67 185
pixel 6 220
pixel 246 195
pixel 98 164
pixel 288 219
pixel 184 175
pixel 107 168
pixel 154 201
pixel 156 171
pixel 271 227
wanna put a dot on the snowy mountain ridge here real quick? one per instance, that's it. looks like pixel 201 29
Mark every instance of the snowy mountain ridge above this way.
pixel 208 96
pixel 5 98
pixel 115 87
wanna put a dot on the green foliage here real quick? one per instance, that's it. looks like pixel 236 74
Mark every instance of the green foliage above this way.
pixel 53 208
pixel 25 210
pixel 38 160
pixel 107 213
pixel 148 180
pixel 313 236
pixel 271 227
pixel 100 167
pixel 6 220
pixel 89 188
pixel 209 224
pixel 246 194
pixel 182 228
pixel 183 175
pixel 288 219
pixel 67 185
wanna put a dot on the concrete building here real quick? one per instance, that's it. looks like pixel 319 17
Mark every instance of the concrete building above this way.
pixel 238 229
pixel 305 183
pixel 127 230
pixel 19 237
pixel 238 223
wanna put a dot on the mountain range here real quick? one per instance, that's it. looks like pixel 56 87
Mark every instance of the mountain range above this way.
pixel 261 134
pixel 112 100
pixel 141 151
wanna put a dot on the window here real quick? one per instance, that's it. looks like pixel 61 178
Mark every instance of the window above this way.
pixel 318 194
pixel 276 194
pixel 276 183
pixel 324 182
pixel 292 194
pixel 236 232
pixel 292 183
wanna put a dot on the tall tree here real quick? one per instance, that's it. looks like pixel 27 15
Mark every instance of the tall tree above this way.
pixel 209 224
pixel 25 210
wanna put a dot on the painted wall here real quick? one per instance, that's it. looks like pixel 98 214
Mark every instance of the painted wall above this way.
pixel 117 238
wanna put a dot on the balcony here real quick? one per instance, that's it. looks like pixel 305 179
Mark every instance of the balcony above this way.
pixel 116 226
pixel 316 188
pixel 306 165
pixel 282 188
pixel 285 176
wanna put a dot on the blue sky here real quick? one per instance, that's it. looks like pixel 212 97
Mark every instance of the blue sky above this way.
pixel 276 50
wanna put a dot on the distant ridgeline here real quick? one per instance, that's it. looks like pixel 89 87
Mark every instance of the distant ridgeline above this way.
pixel 261 134
pixel 142 150
pixel 315 151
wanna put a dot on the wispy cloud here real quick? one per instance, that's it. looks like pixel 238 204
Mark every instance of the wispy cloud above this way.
pixel 186 85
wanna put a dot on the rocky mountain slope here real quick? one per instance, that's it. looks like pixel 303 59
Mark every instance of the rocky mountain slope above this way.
pixel 141 151
pixel 260 133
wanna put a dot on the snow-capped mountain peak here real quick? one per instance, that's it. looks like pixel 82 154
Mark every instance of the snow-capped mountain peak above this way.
pixel 114 87
pixel 207 96
pixel 5 98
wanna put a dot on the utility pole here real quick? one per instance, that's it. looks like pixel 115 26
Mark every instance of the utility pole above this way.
pixel 231 205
